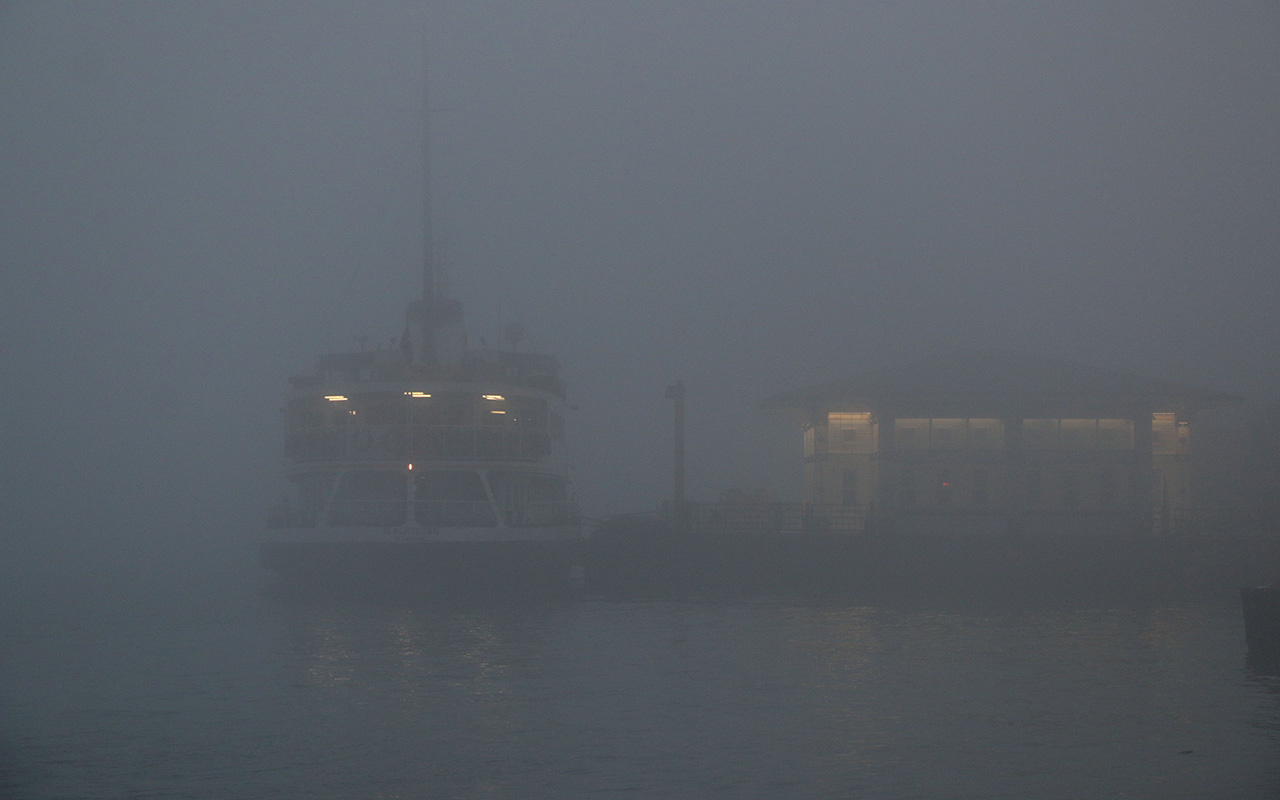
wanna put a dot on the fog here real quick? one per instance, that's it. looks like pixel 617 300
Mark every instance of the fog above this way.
pixel 196 199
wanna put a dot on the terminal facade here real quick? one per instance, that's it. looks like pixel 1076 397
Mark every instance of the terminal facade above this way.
pixel 998 440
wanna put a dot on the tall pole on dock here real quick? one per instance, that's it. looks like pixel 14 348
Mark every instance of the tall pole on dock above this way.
pixel 675 392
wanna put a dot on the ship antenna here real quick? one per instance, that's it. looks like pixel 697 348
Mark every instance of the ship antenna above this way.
pixel 428 238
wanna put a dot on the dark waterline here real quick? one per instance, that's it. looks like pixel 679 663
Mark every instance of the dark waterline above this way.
pixel 215 691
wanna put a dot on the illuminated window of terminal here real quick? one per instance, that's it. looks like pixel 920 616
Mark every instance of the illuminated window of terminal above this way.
pixel 850 432
pixel 1078 434
pixel 1115 434
pixel 842 418
pixel 947 433
pixel 1164 432
pixel 911 434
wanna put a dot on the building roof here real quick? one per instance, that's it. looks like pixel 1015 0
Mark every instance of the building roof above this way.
pixel 983 377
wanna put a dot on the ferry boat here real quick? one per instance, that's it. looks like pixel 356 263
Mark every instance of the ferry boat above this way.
pixel 427 465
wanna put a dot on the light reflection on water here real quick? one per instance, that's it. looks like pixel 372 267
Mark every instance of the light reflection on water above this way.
pixel 646 699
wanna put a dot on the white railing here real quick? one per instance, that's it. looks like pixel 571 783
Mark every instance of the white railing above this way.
pixel 417 442
pixel 535 515
pixel 434 513
pixel 454 513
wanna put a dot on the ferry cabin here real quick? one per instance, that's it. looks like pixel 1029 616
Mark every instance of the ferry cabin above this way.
pixel 374 441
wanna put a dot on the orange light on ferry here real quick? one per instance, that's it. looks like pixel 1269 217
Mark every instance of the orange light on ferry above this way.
pixel 335 398
pixel 416 394
pixel 497 411
pixel 411 468
pixel 493 397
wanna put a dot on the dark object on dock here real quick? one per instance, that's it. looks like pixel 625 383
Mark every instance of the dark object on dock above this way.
pixel 1262 623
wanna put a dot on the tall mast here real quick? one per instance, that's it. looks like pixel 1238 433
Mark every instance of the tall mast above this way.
pixel 428 239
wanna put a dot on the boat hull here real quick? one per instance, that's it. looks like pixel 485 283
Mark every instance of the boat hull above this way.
pixel 439 569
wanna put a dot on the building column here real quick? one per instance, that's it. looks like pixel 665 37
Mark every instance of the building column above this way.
pixel 1013 464
pixel 885 463
pixel 1142 503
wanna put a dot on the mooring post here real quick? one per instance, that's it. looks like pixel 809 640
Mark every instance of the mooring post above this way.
pixel 675 392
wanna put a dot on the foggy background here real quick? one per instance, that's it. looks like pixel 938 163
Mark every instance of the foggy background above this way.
pixel 197 199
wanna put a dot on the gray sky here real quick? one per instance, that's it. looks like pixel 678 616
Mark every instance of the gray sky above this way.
pixel 197 198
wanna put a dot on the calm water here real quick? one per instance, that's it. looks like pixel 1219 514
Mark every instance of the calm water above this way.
pixel 188 695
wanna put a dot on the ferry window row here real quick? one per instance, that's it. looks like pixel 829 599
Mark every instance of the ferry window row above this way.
pixel 417 408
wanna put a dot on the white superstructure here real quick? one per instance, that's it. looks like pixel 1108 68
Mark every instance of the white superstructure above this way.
pixel 429 453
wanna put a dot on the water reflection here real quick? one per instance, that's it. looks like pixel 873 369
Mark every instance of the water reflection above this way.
pixel 659 699
pixel 332 644
pixel 775 699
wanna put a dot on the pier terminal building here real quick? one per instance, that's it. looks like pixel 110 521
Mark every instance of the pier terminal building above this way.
pixel 983 440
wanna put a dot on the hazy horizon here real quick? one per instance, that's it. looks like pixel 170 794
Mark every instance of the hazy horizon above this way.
pixel 199 198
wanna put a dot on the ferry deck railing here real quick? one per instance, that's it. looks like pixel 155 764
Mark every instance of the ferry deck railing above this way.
pixel 436 513
pixel 418 442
